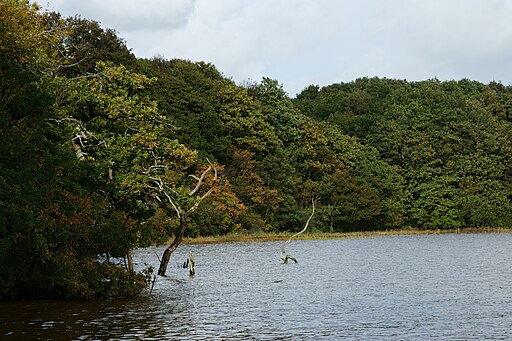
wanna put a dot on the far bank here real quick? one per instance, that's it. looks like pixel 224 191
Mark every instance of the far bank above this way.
pixel 248 236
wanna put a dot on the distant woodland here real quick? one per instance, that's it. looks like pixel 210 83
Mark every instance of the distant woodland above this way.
pixel 100 151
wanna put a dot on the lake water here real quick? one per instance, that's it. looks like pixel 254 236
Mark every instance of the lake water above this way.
pixel 445 287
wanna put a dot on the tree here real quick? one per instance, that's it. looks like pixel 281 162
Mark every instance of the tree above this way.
pixel 58 230
pixel 348 203
pixel 184 213
pixel 188 95
pixel 85 43
pixel 252 190
pixel 446 144
pixel 119 130
pixel 278 110
pixel 26 56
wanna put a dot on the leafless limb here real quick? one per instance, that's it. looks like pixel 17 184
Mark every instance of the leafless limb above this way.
pixel 201 178
pixel 154 167
pixel 178 210
pixel 284 257
pixel 161 188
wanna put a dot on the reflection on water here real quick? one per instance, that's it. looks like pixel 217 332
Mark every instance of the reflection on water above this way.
pixel 405 287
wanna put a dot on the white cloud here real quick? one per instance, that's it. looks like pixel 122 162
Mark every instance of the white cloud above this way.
pixel 302 42
pixel 130 15
pixel 447 39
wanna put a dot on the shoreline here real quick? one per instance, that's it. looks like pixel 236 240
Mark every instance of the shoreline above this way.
pixel 251 237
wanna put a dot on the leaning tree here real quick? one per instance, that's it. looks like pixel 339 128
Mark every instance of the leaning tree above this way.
pixel 114 126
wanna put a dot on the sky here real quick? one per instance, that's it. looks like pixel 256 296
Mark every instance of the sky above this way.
pixel 316 42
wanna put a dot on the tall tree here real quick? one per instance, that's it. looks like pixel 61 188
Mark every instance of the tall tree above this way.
pixel 116 127
pixel 55 225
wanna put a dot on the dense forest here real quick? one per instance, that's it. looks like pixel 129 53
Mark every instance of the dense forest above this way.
pixel 102 152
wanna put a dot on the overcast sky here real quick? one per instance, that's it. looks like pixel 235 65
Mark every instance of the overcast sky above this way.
pixel 304 42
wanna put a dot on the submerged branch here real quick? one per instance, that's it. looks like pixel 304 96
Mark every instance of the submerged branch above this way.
pixel 284 257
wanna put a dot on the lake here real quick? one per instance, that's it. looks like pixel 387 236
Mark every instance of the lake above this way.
pixel 445 287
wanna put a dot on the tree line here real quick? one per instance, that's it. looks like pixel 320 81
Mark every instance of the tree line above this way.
pixel 102 152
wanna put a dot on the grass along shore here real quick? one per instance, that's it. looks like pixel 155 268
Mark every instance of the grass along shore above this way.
pixel 246 236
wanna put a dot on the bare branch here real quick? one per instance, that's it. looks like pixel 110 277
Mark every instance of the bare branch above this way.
pixel 200 180
pixel 215 174
pixel 155 167
pixel 283 248
pixel 198 202
pixel 161 188
pixel 42 33
pixel 52 71
pixel 83 134
pixel 176 208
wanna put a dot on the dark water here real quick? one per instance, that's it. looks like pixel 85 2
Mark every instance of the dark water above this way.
pixel 445 287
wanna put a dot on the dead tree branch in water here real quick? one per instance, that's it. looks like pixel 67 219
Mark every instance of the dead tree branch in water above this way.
pixel 192 268
pixel 284 257
pixel 183 214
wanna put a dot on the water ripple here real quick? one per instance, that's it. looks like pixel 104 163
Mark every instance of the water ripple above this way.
pixel 447 287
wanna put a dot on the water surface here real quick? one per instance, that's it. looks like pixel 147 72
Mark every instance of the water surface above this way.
pixel 446 287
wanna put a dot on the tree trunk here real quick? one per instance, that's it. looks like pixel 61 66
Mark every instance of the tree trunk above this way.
pixel 129 258
pixel 183 215
pixel 171 248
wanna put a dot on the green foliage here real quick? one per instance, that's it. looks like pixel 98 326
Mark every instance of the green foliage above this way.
pixel 450 141
pixel 53 227
pixel 25 54
pixel 122 134
pixel 58 226
pixel 187 94
pixel 85 43
pixel 278 110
